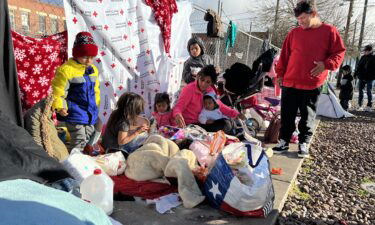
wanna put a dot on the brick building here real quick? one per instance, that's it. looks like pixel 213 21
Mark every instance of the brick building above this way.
pixel 36 18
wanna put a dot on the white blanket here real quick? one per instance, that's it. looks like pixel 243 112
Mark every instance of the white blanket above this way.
pixel 131 50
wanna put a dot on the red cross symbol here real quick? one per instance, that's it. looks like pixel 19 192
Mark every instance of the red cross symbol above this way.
pixel 102 53
pixel 122 12
pixel 75 20
pixel 114 94
pixel 120 87
pixel 133 46
pixel 113 65
pixel 125 36
pixel 93 27
pixel 106 27
pixel 129 60
pixel 142 30
pixel 105 113
pixel 148 51
pixel 107 84
pixel 152 72
pixel 95 14
pixel 98 60
pixel 130 23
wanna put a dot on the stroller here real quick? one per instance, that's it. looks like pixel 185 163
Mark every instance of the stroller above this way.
pixel 241 83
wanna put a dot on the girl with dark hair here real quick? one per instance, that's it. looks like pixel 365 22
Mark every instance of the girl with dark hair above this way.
pixel 162 110
pixel 126 129
pixel 190 102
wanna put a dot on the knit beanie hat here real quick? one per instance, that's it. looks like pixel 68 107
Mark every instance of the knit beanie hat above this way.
pixel 84 45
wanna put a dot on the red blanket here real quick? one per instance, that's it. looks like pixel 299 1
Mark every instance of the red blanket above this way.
pixel 37 60
pixel 143 189
pixel 163 12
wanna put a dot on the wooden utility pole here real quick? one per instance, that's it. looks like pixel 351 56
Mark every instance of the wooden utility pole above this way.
pixel 354 34
pixel 362 25
pixel 350 13
pixel 276 17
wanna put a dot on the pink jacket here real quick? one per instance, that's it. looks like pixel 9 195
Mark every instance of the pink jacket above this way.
pixel 190 104
pixel 164 119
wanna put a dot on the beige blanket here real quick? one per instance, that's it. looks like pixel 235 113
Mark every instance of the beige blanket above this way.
pixel 160 157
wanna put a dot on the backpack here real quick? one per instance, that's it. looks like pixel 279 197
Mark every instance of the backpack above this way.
pixel 272 133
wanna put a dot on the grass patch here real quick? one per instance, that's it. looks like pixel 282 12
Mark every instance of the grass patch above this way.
pixel 296 192
pixel 306 170
pixel 362 193
pixel 367 180
pixel 307 164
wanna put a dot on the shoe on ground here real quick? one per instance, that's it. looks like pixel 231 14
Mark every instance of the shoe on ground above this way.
pixel 303 151
pixel 360 108
pixel 368 109
pixel 281 147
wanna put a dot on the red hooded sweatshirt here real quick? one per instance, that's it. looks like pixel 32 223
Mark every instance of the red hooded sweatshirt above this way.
pixel 304 46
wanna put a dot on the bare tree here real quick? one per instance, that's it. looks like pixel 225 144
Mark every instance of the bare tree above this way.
pixel 329 12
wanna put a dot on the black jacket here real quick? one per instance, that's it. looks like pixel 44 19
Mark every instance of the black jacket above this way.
pixel 366 68
pixel 346 90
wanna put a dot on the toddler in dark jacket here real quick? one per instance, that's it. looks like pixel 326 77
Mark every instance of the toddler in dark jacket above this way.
pixel 346 88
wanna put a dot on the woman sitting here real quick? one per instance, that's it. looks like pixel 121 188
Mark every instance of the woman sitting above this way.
pixel 190 103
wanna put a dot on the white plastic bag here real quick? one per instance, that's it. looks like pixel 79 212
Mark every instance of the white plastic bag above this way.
pixel 80 166
pixel 113 164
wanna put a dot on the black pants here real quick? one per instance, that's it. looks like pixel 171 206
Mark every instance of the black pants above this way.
pixel 293 100
pixel 223 124
pixel 344 104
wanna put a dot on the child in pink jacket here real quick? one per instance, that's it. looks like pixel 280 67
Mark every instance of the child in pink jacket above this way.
pixel 190 103
pixel 162 110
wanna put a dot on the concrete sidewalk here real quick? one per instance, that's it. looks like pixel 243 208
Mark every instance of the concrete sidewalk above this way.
pixel 134 213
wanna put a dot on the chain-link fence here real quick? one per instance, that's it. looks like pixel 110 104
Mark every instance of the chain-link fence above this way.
pixel 37 18
pixel 246 49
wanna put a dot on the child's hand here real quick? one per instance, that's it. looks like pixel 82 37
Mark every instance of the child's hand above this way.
pixel 142 128
pixel 180 121
pixel 63 112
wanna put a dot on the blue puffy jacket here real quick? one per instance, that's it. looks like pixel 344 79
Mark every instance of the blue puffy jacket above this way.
pixel 76 88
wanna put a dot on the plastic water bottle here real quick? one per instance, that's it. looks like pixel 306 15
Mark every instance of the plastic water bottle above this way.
pixel 98 190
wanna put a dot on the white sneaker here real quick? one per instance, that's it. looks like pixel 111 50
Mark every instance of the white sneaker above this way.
pixel 303 151
pixel 281 147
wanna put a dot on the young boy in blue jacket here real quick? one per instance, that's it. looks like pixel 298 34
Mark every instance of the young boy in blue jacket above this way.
pixel 76 91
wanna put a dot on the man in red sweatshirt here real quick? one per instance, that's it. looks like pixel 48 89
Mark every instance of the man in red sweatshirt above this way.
pixel 308 52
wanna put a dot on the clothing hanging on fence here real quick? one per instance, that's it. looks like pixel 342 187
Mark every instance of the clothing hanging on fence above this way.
pixel 231 36
pixel 37 60
pixel 214 26
pixel 163 12
pixel 9 91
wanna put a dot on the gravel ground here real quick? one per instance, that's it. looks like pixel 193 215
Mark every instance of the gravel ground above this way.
pixel 328 189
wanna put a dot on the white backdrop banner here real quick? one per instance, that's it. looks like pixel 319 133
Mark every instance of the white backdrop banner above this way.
pixel 131 49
